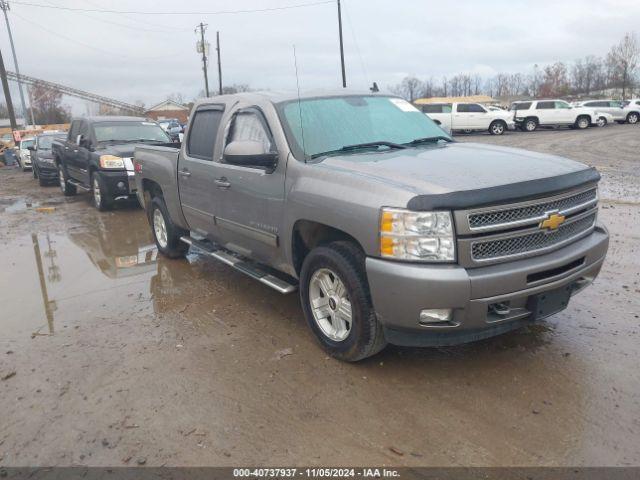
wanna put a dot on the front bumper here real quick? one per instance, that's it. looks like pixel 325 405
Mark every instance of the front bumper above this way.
pixel 400 291
pixel 48 171
pixel 119 183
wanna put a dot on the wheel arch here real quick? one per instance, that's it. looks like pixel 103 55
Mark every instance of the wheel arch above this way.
pixel 308 234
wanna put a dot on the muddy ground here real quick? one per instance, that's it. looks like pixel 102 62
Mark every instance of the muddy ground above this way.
pixel 111 355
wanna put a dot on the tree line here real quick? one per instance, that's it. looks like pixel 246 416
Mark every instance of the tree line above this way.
pixel 618 69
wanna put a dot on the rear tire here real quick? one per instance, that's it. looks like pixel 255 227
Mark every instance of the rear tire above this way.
pixel 336 302
pixel 497 127
pixel 601 122
pixel 165 233
pixel 633 118
pixel 67 189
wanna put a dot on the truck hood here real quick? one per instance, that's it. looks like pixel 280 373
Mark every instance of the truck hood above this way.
pixel 452 168
pixel 124 150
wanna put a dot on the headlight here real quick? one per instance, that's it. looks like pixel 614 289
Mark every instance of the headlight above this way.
pixel 418 236
pixel 111 161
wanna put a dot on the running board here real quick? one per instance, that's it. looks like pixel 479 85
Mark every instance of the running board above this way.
pixel 77 184
pixel 254 270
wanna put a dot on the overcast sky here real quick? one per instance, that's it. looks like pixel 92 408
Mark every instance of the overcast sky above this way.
pixel 146 57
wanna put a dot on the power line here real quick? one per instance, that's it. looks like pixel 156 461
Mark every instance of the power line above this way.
pixel 138 12
pixel 86 45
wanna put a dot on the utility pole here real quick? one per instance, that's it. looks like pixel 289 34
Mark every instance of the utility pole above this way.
pixel 344 76
pixel 219 64
pixel 5 7
pixel 202 47
pixel 7 94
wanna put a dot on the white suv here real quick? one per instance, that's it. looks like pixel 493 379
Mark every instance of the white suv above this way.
pixel 468 117
pixel 617 109
pixel 553 113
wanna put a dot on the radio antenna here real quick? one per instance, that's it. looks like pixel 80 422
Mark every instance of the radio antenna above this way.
pixel 295 64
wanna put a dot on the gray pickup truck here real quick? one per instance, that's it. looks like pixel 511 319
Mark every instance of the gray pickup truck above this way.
pixel 391 231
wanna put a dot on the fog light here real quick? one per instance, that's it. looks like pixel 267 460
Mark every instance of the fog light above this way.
pixel 435 315
pixel 120 185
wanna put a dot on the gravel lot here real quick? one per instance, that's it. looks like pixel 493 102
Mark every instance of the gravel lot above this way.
pixel 110 355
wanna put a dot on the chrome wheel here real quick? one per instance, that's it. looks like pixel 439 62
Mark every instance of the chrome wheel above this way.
pixel 601 122
pixel 530 126
pixel 97 195
pixel 330 304
pixel 160 228
pixel 583 123
pixel 61 179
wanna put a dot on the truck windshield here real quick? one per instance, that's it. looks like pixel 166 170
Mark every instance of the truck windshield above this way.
pixel 129 132
pixel 327 125
pixel 24 144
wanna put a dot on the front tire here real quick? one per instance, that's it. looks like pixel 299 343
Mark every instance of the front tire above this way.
pixel 497 127
pixel 582 123
pixel 67 189
pixel 165 233
pixel 530 125
pixel 336 302
pixel 633 118
pixel 601 122
pixel 101 199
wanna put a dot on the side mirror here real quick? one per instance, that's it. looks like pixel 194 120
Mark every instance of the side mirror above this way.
pixel 249 153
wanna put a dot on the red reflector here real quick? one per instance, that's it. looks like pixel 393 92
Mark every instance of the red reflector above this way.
pixel 137 167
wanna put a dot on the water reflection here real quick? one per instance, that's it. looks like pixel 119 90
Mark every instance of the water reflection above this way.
pixel 118 249
pixel 106 263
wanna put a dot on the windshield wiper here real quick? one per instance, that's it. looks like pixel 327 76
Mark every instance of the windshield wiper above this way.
pixel 359 146
pixel 420 141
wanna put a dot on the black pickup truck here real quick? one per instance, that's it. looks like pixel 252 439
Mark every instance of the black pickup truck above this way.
pixel 96 156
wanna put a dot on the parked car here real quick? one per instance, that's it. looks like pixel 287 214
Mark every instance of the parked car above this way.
pixel 615 108
pixel 529 115
pixel 96 156
pixel 43 162
pixel 469 117
pixel 392 232
pixel 24 154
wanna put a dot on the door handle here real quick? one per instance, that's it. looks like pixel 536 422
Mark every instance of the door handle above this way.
pixel 184 173
pixel 222 182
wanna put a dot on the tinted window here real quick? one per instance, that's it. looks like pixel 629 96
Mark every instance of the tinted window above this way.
pixel 463 108
pixel 475 108
pixel 432 108
pixel 595 104
pixel 521 106
pixel 202 132
pixel 546 105
pixel 73 131
pixel 614 104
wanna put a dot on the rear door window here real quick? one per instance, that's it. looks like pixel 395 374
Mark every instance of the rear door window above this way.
pixel 546 105
pixel 203 131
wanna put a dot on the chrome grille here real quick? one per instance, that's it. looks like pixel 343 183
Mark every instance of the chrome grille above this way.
pixel 505 217
pixel 531 242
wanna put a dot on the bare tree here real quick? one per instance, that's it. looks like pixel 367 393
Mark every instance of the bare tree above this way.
pixel 410 88
pixel 623 60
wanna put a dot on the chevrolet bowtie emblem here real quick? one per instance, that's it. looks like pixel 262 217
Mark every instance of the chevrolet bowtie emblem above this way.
pixel 552 222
